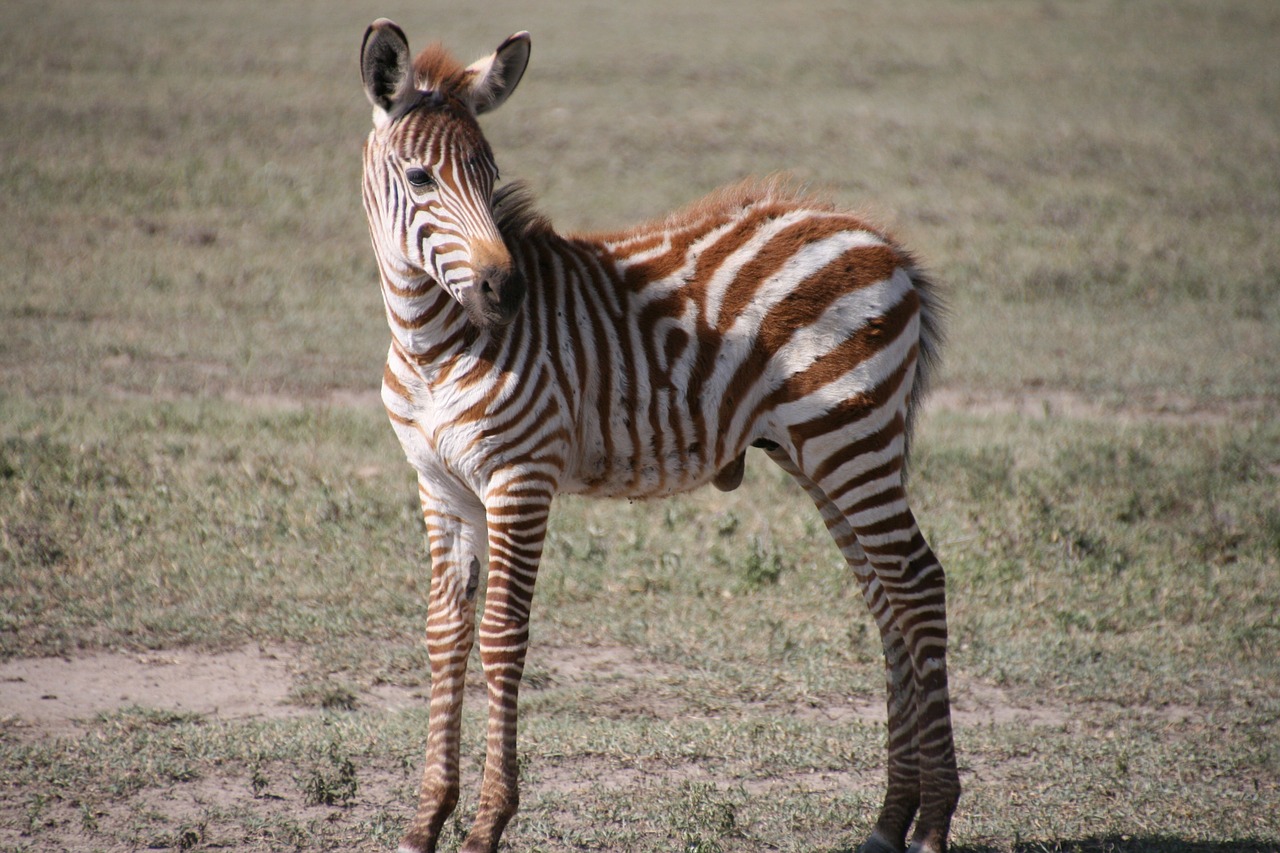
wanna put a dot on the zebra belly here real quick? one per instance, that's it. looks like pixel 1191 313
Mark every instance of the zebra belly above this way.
pixel 635 478
pixel 640 463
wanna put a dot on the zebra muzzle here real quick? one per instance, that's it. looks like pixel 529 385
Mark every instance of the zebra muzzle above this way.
pixel 497 295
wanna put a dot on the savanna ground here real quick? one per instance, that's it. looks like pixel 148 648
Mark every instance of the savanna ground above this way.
pixel 212 578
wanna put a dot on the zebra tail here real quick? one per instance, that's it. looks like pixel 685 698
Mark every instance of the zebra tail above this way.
pixel 933 314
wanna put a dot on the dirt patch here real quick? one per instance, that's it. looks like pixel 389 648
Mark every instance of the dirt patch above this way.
pixel 595 663
pixel 266 806
pixel 59 694
pixel 973 703
pixel 611 671
pixel 55 694
pixel 587 774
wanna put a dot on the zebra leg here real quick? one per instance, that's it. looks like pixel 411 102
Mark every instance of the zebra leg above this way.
pixel 516 532
pixel 915 588
pixel 456 553
pixel 918 598
pixel 902 794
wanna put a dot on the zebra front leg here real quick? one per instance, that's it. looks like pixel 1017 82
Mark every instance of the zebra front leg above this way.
pixel 454 537
pixel 516 532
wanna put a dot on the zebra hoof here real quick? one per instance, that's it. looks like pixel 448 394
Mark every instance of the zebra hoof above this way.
pixel 917 847
pixel 876 843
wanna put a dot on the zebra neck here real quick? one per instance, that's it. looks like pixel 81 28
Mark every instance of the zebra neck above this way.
pixel 428 324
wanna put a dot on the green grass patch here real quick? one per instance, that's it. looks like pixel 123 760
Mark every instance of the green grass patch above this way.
pixel 1120 574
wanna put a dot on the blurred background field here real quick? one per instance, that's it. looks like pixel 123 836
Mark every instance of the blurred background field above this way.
pixel 192 454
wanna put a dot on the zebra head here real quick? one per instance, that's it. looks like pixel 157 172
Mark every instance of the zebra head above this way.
pixel 429 174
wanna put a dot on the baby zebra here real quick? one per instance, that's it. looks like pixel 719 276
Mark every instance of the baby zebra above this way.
pixel 524 364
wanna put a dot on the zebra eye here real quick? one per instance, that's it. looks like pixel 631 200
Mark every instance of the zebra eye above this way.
pixel 420 178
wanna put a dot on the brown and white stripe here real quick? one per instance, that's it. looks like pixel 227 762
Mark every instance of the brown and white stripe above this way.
pixel 524 364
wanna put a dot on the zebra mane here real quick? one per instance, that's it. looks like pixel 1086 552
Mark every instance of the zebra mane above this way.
pixel 515 214
pixel 436 68
pixel 779 188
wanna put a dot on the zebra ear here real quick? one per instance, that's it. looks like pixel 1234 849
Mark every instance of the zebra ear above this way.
pixel 385 68
pixel 490 81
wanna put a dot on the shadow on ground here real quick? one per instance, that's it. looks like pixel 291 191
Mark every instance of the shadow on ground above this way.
pixel 1129 844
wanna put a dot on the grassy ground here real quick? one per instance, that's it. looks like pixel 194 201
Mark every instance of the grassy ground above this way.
pixel 190 455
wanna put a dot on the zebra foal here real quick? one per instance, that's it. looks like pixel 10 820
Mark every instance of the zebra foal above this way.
pixel 524 364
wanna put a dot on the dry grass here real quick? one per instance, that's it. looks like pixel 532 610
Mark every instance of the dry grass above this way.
pixel 190 455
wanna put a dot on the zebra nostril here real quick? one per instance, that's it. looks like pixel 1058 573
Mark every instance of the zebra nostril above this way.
pixel 496 294
pixel 491 283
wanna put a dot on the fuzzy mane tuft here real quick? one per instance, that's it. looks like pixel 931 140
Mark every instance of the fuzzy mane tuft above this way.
pixel 775 189
pixel 437 70
pixel 515 214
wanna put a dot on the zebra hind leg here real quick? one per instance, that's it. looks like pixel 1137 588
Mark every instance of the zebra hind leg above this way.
pixel 914 590
pixel 902 794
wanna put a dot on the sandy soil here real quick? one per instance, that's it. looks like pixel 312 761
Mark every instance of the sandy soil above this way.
pixel 53 694
pixel 53 697
pixel 57 695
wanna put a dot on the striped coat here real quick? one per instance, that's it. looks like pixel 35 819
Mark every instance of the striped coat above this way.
pixel 525 364
pixel 772 304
